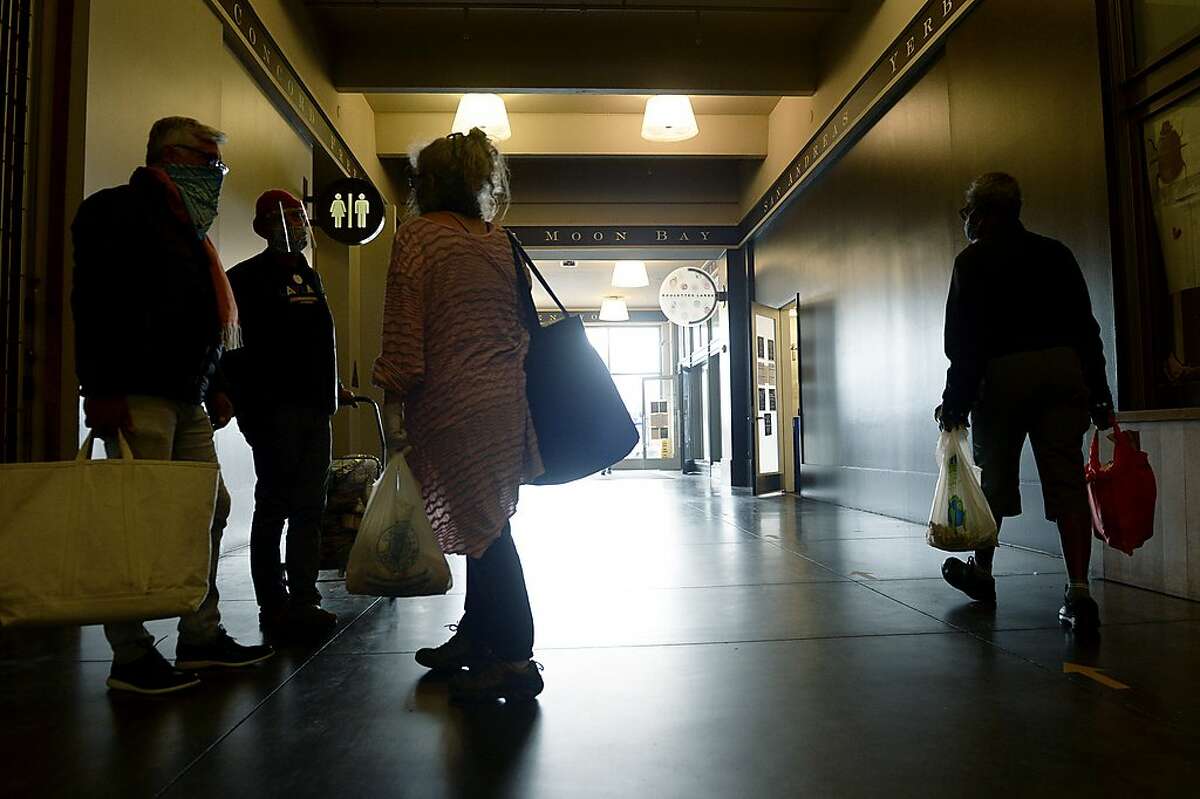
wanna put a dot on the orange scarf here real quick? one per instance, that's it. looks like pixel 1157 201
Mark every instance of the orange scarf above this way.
pixel 227 313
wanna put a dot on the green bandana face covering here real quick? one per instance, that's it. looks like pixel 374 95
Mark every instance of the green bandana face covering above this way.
pixel 200 187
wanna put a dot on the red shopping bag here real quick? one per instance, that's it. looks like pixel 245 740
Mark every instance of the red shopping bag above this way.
pixel 1122 494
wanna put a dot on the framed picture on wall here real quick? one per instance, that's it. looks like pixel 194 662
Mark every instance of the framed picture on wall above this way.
pixel 762 399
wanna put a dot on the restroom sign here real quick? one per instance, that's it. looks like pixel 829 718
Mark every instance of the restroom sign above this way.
pixel 350 210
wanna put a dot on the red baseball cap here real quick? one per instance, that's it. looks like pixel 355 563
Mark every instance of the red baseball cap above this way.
pixel 268 204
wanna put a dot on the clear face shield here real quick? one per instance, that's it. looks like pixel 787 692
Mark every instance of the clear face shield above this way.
pixel 291 231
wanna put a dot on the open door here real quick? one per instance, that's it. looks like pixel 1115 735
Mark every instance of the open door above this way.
pixel 790 407
pixel 769 438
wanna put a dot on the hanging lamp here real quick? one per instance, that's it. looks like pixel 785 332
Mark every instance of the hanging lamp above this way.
pixel 613 309
pixel 483 111
pixel 669 118
pixel 630 275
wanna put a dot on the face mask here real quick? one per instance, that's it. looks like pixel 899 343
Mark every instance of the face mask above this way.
pixel 293 239
pixel 200 187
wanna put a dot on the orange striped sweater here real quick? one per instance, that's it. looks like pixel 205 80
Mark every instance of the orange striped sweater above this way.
pixel 454 348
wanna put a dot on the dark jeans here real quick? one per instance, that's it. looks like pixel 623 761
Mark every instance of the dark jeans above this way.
pixel 291 461
pixel 497 610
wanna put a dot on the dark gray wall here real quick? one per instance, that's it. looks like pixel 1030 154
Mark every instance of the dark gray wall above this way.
pixel 870 245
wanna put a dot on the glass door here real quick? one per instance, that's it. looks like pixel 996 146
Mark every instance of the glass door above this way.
pixel 639 361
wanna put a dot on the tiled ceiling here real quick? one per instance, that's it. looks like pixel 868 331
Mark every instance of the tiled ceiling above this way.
pixel 583 287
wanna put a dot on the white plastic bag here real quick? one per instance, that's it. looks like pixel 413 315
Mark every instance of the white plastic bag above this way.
pixel 960 519
pixel 396 552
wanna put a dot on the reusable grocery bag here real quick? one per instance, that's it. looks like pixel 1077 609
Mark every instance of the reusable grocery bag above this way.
pixel 960 519
pixel 581 422
pixel 95 541
pixel 1122 493
pixel 396 552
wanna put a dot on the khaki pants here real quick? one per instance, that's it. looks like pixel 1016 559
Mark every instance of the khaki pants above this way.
pixel 164 429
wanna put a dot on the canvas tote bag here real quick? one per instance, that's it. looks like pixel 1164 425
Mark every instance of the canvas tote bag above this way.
pixel 94 541
pixel 581 421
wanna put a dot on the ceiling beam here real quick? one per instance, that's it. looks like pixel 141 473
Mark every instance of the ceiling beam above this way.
pixel 677 6
pixel 586 135
pixel 385 49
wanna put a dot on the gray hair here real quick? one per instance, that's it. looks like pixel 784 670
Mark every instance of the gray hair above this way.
pixel 996 192
pixel 173 131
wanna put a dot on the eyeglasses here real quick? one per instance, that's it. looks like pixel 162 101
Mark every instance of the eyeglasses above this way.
pixel 210 160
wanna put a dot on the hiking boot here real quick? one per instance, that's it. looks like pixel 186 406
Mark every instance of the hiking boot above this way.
pixel 1081 614
pixel 970 579
pixel 512 682
pixel 223 652
pixel 150 674
pixel 457 653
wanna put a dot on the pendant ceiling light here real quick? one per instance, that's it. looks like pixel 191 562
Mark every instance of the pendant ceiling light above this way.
pixel 630 275
pixel 613 309
pixel 669 117
pixel 483 111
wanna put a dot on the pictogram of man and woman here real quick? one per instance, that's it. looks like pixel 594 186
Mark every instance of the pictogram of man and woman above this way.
pixel 339 210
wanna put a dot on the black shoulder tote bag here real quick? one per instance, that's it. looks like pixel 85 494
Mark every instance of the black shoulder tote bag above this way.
pixel 581 421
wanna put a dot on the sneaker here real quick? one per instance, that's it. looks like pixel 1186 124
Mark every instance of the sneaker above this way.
pixel 1082 614
pixel 224 652
pixel 457 653
pixel 150 674
pixel 970 579
pixel 498 680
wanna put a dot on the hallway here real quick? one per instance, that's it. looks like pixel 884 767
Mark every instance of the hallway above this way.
pixel 696 644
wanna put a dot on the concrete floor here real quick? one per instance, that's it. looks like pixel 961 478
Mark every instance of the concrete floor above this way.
pixel 696 644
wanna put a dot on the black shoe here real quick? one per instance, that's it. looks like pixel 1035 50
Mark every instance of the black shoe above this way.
pixel 150 674
pixel 498 680
pixel 457 653
pixel 970 579
pixel 224 652
pixel 1081 614
pixel 272 619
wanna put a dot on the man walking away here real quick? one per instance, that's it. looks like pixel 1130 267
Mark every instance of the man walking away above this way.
pixel 1026 360
pixel 153 312
pixel 285 385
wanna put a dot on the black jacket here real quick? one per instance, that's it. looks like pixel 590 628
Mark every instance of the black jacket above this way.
pixel 143 299
pixel 288 354
pixel 1019 292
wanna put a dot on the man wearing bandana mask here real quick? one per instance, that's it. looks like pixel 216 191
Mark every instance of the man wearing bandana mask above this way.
pixel 153 314
pixel 285 385
pixel 1026 361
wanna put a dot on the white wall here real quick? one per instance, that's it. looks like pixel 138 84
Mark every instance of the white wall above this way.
pixel 150 60
pixel 1170 561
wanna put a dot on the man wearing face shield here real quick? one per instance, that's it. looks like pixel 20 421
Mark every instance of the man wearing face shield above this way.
pixel 153 313
pixel 1026 360
pixel 285 387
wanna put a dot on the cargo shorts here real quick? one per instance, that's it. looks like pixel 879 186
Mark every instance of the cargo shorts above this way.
pixel 1041 396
